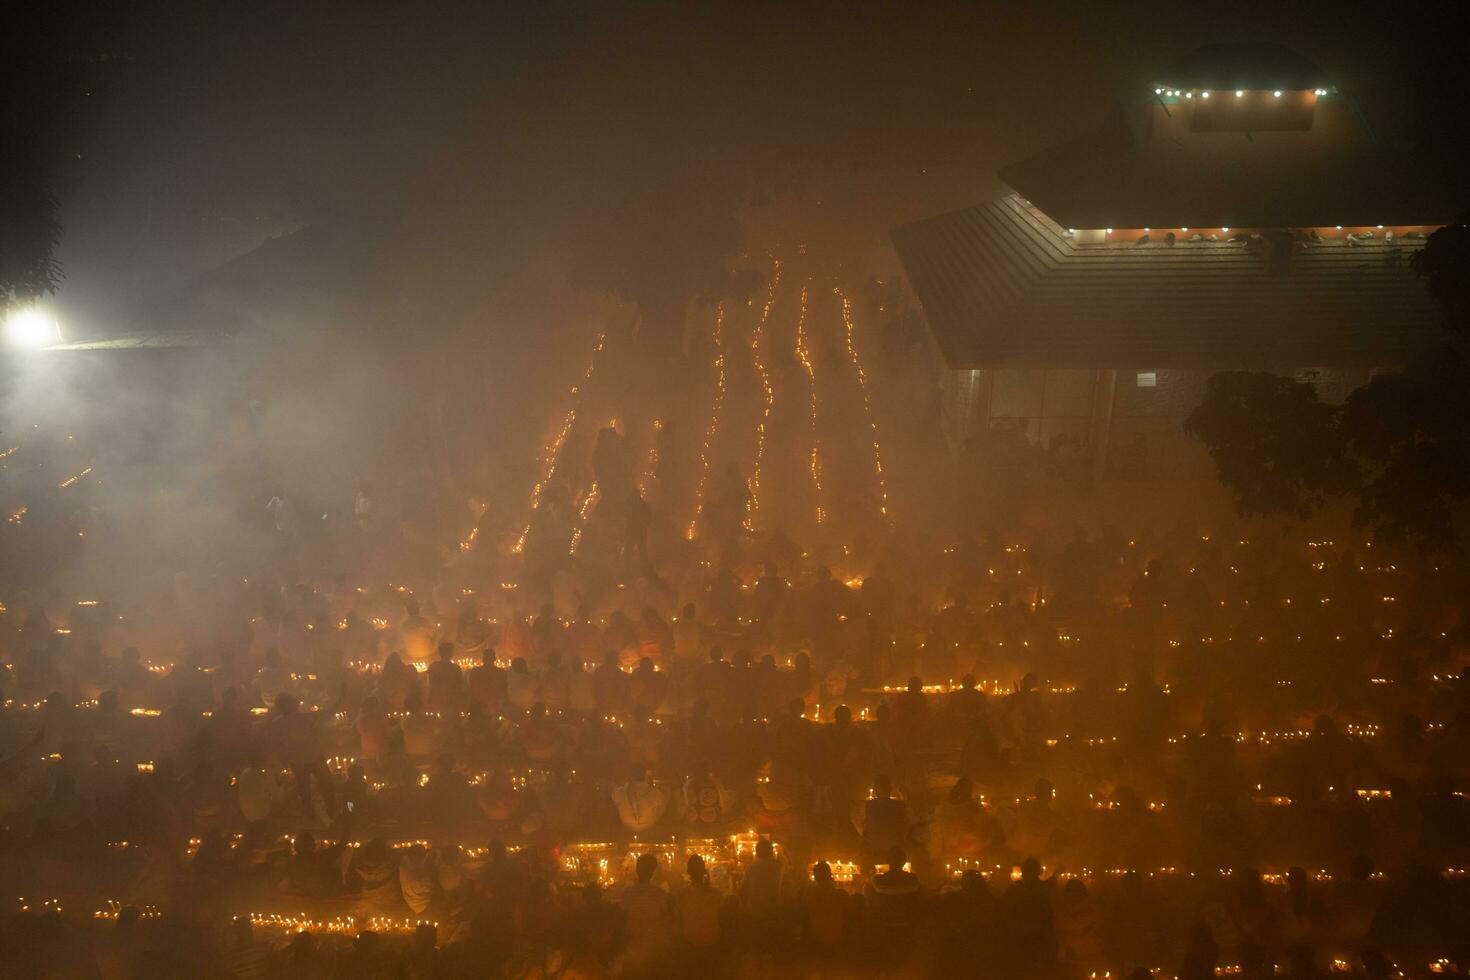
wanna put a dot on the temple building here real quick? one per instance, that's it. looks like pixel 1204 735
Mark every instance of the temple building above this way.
pixel 1239 215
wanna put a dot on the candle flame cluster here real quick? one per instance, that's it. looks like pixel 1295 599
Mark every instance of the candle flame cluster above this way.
pixel 73 479
pixel 553 448
pixel 349 925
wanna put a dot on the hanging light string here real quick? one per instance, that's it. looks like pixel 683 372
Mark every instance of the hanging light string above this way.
pixel 553 448
pixel 716 408
pixel 803 354
pixel 857 363
pixel 757 354
pixel 586 508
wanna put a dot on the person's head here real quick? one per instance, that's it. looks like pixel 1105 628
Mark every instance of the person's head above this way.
pixel 764 850
pixel 822 874
pixel 972 882
pixel 302 945
pixel 518 665
pixel 645 868
pixel 962 791
pixel 304 843
pixel 916 686
pixel 1030 869
pixel 842 715
pixel 285 704
pixel 968 682
pixel 882 787
pixel 694 867
pixel 446 651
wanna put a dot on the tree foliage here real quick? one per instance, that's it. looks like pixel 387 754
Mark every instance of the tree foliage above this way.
pixel 1398 447
pixel 1443 263
pixel 1275 445
pixel 29 228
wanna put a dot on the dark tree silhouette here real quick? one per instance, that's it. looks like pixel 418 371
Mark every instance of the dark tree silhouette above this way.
pixel 1442 263
pixel 1398 447
pixel 1275 445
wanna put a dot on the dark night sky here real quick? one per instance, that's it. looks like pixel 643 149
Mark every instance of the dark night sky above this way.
pixel 506 129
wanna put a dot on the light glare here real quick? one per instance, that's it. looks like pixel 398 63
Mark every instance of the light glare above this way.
pixel 30 327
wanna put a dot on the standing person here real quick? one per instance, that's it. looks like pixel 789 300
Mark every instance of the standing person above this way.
pixel 295 737
pixel 635 535
pixel 885 819
pixel 649 919
pixel 824 911
pixel 698 910
pixel 760 893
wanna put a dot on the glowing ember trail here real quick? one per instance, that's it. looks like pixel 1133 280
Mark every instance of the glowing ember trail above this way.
pixel 714 419
pixel 757 354
pixel 804 356
pixel 857 363
pixel 553 448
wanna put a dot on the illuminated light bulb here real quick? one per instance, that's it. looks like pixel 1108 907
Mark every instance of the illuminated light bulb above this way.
pixel 1158 91
pixel 1185 228
pixel 1277 93
pixel 1110 231
pixel 1380 226
pixel 1224 231
pixel 1204 95
pixel 757 345
pixel 1339 227
pixel 1146 228
pixel 1239 93
pixel 1189 95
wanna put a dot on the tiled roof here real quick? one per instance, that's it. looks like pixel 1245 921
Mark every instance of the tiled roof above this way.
pixel 1002 283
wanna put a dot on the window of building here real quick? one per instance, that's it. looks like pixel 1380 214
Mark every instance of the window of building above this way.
pixel 1148 379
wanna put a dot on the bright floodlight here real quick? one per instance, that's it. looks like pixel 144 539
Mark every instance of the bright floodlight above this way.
pixel 30 327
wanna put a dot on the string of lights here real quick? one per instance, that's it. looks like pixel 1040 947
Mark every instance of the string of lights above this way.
pixel 857 364
pixel 716 409
pixel 553 449
pixel 582 513
pixel 803 354
pixel 757 354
